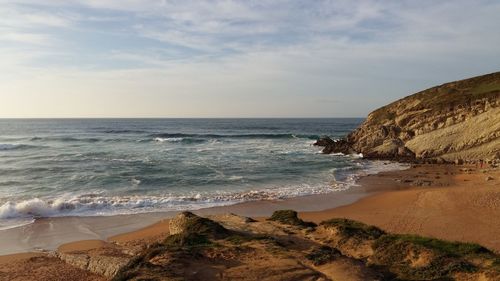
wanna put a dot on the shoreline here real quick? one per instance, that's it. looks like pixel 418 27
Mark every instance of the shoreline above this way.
pixel 378 199
pixel 443 201
pixel 47 234
pixel 36 209
pixel 447 202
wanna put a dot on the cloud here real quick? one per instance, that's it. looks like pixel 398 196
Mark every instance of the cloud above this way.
pixel 30 38
pixel 264 58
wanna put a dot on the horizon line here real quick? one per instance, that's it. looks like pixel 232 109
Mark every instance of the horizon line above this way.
pixel 69 118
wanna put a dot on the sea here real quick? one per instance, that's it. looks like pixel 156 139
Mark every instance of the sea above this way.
pixel 104 167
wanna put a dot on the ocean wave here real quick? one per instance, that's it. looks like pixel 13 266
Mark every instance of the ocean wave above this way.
pixel 236 136
pixel 99 204
pixel 185 140
pixel 66 139
pixel 8 146
pixel 235 178
pixel 168 137
pixel 123 131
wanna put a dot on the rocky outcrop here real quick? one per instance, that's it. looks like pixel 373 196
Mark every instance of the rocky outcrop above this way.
pixel 282 248
pixel 458 120
pixel 103 265
pixel 105 260
pixel 187 223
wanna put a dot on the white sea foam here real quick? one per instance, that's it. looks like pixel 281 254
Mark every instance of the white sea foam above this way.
pixel 182 165
pixel 99 204
pixel 158 139
pixel 14 213
pixel 370 168
pixel 33 207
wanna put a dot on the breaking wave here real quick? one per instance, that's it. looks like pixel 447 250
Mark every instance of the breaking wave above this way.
pixel 179 140
pixel 237 136
pixel 97 204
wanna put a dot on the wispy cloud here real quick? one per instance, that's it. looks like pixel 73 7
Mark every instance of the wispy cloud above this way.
pixel 292 53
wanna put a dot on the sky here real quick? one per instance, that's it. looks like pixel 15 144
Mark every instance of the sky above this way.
pixel 131 58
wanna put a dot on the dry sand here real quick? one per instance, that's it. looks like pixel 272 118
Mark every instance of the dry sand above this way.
pixel 460 204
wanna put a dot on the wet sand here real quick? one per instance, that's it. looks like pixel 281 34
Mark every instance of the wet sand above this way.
pixel 442 201
pixel 34 243
pixel 49 233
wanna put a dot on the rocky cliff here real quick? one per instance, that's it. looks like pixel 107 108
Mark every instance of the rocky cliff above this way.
pixel 452 122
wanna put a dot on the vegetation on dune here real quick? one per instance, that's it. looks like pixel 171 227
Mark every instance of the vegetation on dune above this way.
pixel 322 255
pixel 290 217
pixel 458 249
pixel 446 96
pixel 198 234
pixel 413 257
pixel 183 240
pixel 203 226
pixel 139 268
pixel 408 257
pixel 175 247
pixel 394 257
pixel 351 228
pixel 495 265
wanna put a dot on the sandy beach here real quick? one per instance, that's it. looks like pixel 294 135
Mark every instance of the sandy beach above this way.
pixel 455 203
pixel 458 203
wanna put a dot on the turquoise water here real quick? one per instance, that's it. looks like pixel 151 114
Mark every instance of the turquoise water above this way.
pixel 117 166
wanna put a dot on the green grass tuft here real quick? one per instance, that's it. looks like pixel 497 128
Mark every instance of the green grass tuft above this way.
pixel 351 228
pixel 290 217
pixel 203 226
pixel 182 240
pixel 447 257
pixel 458 249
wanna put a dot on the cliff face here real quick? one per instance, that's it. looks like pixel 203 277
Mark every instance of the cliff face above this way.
pixel 457 120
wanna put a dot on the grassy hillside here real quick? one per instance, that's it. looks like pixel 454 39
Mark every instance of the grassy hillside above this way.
pixel 447 96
